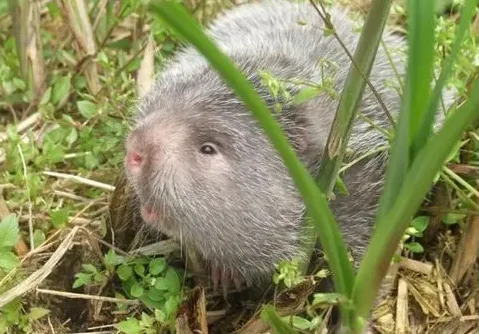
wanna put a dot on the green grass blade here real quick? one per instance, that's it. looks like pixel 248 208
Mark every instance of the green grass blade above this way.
pixel 184 25
pixel 425 127
pixel 421 62
pixel 417 183
pixel 279 326
pixel 415 100
pixel 352 93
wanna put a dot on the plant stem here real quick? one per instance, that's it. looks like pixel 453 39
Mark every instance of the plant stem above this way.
pixel 391 226
pixel 352 93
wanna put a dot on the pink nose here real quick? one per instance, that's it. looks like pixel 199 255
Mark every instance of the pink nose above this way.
pixel 133 159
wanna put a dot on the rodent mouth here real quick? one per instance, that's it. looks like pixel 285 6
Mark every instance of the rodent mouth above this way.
pixel 148 214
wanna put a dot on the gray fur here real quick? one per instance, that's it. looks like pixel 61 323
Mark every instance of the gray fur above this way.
pixel 240 209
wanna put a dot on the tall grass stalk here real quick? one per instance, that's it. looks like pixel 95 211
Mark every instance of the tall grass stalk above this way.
pixel 417 182
pixel 419 124
pixel 415 98
pixel 424 123
pixel 415 159
pixel 352 93
pixel 351 96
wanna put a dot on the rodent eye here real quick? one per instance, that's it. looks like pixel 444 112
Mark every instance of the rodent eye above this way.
pixel 208 149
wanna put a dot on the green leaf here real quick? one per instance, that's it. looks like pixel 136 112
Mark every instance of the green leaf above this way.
pixel 129 326
pixel 46 96
pixel 120 306
pixel 91 162
pixel 9 231
pixel 173 280
pixel 420 223
pixel 328 298
pixel 72 136
pixel 306 94
pixel 81 280
pixel 136 290
pixel 102 57
pixel 53 9
pixel 124 272
pixel 88 267
pixel 111 259
pixel 157 266
pixel 454 156
pixel 269 315
pixel 160 315
pixel 87 109
pixel 297 322
pixel 453 218
pixel 421 23
pixel 53 153
pixel 170 282
pixel 414 247
pixel 19 84
pixel 341 186
pixel 37 313
pixel 59 217
pixel 140 270
pixel 38 237
pixel 156 294
pixel 146 320
pixel 3 325
pixel 171 305
pixel 12 311
pixel 162 284
pixel 98 277
pixel 60 90
pixel 8 260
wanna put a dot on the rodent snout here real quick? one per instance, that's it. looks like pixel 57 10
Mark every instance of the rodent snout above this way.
pixel 139 148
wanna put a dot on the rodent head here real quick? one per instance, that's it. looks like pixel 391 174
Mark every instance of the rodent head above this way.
pixel 205 173
pixel 176 157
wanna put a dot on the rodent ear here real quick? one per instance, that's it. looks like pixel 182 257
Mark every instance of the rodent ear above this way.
pixel 295 128
pixel 297 138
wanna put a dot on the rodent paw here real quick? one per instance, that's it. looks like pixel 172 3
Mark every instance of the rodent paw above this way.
pixel 223 277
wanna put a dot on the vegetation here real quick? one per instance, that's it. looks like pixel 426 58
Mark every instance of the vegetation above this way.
pixel 69 81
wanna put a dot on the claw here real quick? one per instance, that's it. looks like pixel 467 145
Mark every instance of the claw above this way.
pixel 237 282
pixel 225 281
pixel 215 277
pixel 223 277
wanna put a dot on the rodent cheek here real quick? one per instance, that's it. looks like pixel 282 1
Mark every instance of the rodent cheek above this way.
pixel 216 167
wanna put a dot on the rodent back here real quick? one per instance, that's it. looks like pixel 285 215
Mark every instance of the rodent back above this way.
pixel 288 40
